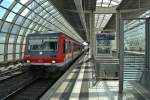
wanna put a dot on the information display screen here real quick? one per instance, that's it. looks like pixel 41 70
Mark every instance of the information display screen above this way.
pixel 105 37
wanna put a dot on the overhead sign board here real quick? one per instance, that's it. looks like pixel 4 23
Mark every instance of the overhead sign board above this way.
pixel 105 36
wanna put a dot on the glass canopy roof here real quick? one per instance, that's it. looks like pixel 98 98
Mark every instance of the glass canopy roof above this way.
pixel 102 19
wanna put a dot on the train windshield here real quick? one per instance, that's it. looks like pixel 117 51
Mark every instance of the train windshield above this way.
pixel 43 43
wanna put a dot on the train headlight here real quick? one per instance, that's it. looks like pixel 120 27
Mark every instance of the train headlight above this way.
pixel 28 61
pixel 53 61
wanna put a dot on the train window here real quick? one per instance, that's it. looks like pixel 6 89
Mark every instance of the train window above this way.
pixel 76 47
pixel 49 45
pixel 34 45
pixel 67 47
pixel 43 43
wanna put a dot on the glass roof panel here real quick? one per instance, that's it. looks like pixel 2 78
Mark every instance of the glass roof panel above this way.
pixel 102 19
pixel 5 27
pixel 114 3
pixel 15 29
pixel 10 17
pixel 105 5
pixel 45 4
pixel 2 48
pixel 107 1
pixel 2 12
pixel 24 1
pixel 25 12
pixel 6 3
pixel 2 37
pixel 17 7
pixel 33 5
pixel 99 1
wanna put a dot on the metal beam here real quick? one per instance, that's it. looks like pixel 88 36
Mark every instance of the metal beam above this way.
pixel 111 10
pixel 134 10
pixel 105 10
pixel 99 10
pixel 78 4
pixel 102 29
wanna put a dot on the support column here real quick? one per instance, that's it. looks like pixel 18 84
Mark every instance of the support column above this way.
pixel 121 55
pixel 120 47
pixel 117 29
pixel 92 33
pixel 147 42
pixel 147 52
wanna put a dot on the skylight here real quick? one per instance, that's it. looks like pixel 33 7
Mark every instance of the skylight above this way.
pixel 102 19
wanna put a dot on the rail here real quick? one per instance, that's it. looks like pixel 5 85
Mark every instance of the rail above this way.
pixel 116 52
pixel 40 85
pixel 11 84
pixel 4 70
pixel 10 73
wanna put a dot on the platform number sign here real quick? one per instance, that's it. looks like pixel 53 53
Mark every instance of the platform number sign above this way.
pixel 105 37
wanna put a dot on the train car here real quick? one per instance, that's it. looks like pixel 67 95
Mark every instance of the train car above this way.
pixel 51 50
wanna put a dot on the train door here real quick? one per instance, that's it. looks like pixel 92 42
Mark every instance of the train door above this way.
pixel 64 50
pixel 72 49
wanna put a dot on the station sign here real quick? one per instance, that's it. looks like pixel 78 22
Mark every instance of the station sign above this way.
pixel 105 36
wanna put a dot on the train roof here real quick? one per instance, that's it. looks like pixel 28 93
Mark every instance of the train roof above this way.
pixel 43 33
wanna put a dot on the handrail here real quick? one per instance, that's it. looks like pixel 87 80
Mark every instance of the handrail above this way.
pixel 131 52
pixel 135 52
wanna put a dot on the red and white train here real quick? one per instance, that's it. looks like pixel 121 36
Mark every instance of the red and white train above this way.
pixel 51 50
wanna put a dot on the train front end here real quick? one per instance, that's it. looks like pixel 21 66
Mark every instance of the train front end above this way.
pixel 42 51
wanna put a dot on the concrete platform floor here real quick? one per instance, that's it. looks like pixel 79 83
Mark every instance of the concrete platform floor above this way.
pixel 79 85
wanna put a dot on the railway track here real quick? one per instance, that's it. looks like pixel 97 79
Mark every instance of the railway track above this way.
pixel 11 84
pixel 9 72
pixel 32 91
pixel 25 86
pixel 12 73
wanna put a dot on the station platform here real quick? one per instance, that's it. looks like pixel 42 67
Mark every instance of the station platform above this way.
pixel 78 84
